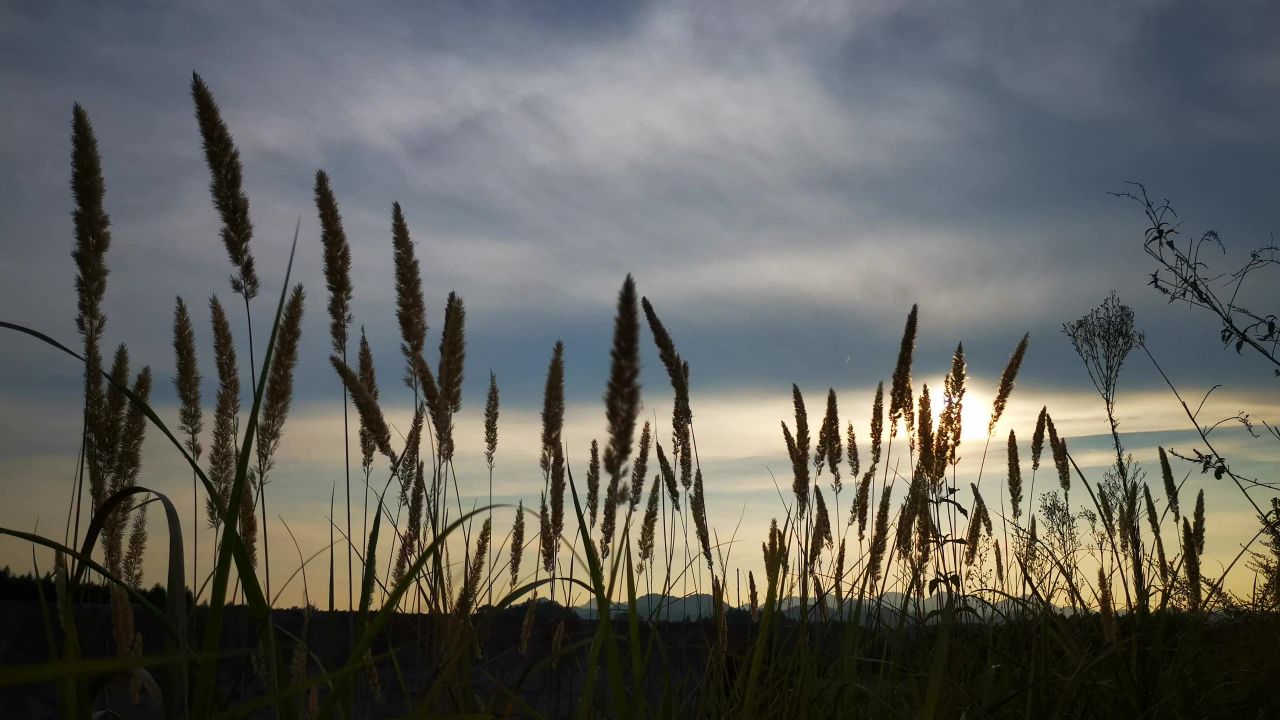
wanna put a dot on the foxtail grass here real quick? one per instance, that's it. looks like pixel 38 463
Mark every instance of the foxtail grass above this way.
pixel 622 395
pixel 901 406
pixel 222 452
pixel 411 309
pixel 92 229
pixel 337 276
pixel 279 396
pixel 226 184
pixel 490 450
pixel 190 415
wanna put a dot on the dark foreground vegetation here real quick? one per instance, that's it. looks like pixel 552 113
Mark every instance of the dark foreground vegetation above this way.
pixel 1209 676
pixel 919 596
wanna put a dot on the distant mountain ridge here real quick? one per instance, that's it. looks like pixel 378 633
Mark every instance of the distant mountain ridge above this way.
pixel 700 606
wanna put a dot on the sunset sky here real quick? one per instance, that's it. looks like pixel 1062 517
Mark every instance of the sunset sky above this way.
pixel 782 180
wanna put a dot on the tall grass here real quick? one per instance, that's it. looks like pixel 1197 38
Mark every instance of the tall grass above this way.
pixel 932 598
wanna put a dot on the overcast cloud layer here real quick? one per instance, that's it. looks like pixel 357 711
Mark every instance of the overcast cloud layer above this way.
pixel 783 180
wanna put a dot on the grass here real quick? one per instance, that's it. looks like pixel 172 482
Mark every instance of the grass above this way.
pixel 929 600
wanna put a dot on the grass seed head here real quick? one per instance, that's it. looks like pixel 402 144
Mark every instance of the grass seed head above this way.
pixel 517 544
pixel 837 576
pixel 930 465
pixel 861 505
pixel 622 394
pixel 369 379
pixel 411 307
pixel 1060 462
pixel 999 564
pixel 558 486
pixel 947 436
pixel 1170 487
pixel 249 522
pixel 450 370
pixel 137 548
pixel 798 450
pixel 491 421
pixel 1037 438
pixel 126 458
pixel 829 441
pixel 877 426
pixel 668 477
pixel 222 451
pixel 1005 387
pixel 698 504
pixel 92 226
pixel 678 372
pixel 1197 523
pixel 1153 519
pixel 640 468
pixel 471 583
pixel 650 522
pixel 187 380
pixel 1191 565
pixel 279 395
pixel 901 406
pixel 553 407
pixel 593 483
pixel 372 421
pixel 546 537
pixel 879 536
pixel 1015 477
pixel 226 185
pixel 337 262
pixel 851 445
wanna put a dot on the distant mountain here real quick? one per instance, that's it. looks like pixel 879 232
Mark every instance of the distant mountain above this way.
pixel 658 607
pixel 694 607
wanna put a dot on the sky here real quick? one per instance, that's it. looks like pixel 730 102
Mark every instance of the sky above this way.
pixel 782 179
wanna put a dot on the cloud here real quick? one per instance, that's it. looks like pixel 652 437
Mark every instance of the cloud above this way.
pixel 806 171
